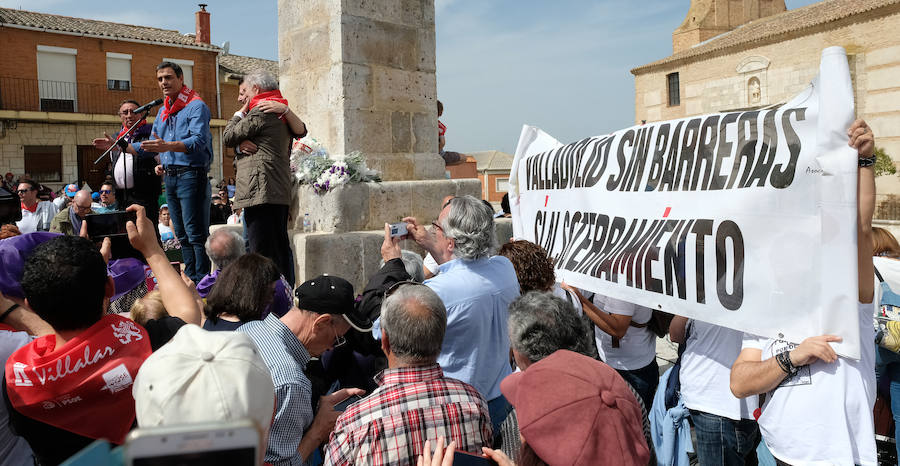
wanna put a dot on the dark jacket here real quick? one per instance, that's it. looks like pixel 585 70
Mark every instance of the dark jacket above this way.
pixel 263 177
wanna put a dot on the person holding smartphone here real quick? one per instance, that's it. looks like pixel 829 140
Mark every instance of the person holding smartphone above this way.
pixel 82 365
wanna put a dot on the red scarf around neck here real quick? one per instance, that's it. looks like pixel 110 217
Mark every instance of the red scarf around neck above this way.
pixel 268 95
pixel 84 386
pixel 184 97
pixel 142 123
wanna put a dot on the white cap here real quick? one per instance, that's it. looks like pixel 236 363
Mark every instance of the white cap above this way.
pixel 202 376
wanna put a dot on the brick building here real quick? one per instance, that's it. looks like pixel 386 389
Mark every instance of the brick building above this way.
pixel 71 74
pixel 730 55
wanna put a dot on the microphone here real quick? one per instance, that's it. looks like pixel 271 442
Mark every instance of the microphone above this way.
pixel 148 106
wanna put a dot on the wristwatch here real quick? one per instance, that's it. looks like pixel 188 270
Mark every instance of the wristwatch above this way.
pixel 867 161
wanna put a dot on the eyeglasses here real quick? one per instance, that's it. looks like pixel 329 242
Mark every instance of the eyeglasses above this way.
pixel 22 191
pixel 105 191
pixel 397 286
pixel 339 340
pixel 127 112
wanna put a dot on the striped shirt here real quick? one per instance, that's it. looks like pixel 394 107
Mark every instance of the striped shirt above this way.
pixel 412 404
pixel 286 359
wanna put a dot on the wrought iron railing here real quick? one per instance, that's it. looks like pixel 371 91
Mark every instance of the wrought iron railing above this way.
pixel 62 96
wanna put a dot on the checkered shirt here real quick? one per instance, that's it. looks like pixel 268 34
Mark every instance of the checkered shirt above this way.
pixel 412 404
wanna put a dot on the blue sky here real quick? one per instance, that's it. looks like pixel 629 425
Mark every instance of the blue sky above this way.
pixel 561 65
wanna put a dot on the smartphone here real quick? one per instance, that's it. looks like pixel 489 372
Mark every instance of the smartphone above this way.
pixel 398 229
pixel 108 224
pixel 464 458
pixel 342 406
pixel 236 443
pixel 176 266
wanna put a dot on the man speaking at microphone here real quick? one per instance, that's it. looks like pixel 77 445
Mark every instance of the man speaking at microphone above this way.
pixel 136 178
pixel 182 139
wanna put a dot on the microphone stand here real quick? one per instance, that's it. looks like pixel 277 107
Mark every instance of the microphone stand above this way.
pixel 124 162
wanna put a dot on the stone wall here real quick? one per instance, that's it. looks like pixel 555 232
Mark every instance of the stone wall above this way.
pixel 363 71
pixel 725 81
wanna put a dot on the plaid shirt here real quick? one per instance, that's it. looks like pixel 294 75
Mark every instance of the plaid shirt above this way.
pixel 286 359
pixel 412 404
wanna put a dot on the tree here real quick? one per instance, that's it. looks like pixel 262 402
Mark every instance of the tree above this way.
pixel 883 163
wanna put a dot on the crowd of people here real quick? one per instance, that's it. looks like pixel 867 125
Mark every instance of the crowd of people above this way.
pixel 476 348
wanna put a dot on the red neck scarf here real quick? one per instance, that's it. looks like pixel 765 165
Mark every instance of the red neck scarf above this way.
pixel 31 209
pixel 85 386
pixel 268 95
pixel 184 97
pixel 142 123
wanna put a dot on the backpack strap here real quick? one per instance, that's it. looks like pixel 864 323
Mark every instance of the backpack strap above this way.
pixel 878 274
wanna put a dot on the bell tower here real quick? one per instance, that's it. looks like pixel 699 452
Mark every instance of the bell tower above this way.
pixel 709 18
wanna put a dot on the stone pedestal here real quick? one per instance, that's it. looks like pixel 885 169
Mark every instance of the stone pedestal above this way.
pixel 361 74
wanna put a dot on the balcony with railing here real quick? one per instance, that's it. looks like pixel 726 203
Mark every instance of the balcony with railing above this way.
pixel 59 96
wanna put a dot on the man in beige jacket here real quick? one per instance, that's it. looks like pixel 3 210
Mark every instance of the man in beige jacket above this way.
pixel 263 186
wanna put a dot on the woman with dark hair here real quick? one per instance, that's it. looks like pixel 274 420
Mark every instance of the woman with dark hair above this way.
pixel 241 293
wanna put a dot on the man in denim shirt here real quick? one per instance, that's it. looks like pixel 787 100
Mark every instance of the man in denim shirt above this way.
pixel 182 138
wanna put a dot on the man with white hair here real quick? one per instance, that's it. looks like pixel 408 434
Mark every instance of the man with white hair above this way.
pixel 223 247
pixel 477 289
pixel 263 186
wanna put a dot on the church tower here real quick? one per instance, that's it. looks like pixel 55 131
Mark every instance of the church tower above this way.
pixel 709 18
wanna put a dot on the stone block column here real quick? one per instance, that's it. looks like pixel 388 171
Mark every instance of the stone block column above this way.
pixel 362 74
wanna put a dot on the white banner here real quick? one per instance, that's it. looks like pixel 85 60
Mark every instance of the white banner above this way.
pixel 744 219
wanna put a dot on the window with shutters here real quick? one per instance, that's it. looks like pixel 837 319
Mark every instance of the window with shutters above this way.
pixel 56 79
pixel 118 71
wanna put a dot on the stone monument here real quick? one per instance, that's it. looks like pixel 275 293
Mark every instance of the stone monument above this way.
pixel 361 73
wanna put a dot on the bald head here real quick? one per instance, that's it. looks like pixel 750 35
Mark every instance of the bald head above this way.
pixel 414 320
pixel 81 204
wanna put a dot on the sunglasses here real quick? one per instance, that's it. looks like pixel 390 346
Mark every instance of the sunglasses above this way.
pixel 105 191
pixel 22 191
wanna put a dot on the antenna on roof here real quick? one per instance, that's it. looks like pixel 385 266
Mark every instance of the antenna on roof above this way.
pixel 202 6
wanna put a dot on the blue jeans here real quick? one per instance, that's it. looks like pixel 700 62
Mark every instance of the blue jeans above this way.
pixel 722 441
pixel 887 364
pixel 644 381
pixel 498 408
pixel 188 195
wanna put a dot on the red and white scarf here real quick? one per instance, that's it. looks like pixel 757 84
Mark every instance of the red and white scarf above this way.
pixel 268 95
pixel 125 130
pixel 173 106
pixel 85 386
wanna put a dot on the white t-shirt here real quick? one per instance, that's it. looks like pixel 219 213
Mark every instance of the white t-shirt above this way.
pixel 165 232
pixel 39 220
pixel 638 347
pixel 823 415
pixel 14 450
pixel 123 172
pixel 706 372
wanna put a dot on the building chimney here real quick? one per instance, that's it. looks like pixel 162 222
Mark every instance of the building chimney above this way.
pixel 202 21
